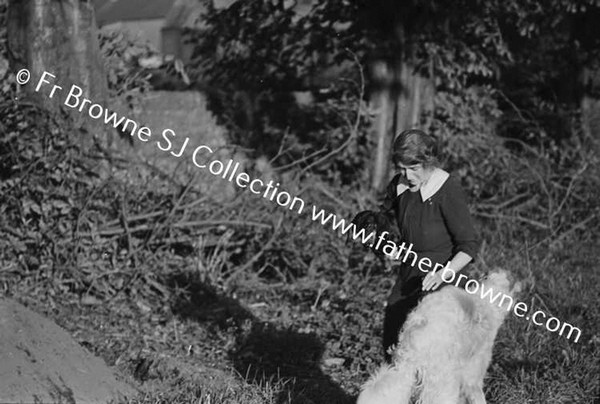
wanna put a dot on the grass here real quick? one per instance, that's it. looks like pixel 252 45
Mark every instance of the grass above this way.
pixel 301 324
pixel 274 342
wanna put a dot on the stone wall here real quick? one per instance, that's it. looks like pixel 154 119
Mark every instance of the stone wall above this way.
pixel 187 115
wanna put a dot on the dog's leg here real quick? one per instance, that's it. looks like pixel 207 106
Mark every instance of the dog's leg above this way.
pixel 473 373
pixel 390 385
pixel 440 388
pixel 474 394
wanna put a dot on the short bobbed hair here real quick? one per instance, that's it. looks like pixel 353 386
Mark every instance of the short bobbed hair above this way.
pixel 414 146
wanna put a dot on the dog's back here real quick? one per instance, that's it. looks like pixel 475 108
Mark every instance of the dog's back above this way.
pixel 452 323
pixel 444 347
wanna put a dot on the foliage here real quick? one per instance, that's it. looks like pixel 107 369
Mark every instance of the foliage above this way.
pixel 36 154
pixel 260 60
pixel 548 190
pixel 4 65
pixel 258 52
pixel 3 16
pixel 542 89
pixel 127 81
pixel 511 69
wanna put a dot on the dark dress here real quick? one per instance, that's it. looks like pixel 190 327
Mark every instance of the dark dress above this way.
pixel 438 228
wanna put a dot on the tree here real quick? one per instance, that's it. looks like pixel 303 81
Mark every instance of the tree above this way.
pixel 257 58
pixel 58 37
pixel 414 50
pixel 551 89
pixel 446 65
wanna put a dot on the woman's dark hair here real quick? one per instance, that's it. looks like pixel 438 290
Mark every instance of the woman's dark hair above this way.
pixel 413 146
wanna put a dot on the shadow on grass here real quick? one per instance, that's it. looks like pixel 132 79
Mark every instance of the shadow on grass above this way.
pixel 285 359
pixel 200 302
pixel 291 357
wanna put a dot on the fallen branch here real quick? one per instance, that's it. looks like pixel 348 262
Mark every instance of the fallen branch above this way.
pixel 182 225
pixel 499 216
pixel 256 256
pixel 354 129
pixel 562 236
pixel 150 215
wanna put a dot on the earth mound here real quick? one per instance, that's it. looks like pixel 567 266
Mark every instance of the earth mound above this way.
pixel 40 362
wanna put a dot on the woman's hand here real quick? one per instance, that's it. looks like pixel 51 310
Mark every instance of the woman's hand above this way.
pixel 432 281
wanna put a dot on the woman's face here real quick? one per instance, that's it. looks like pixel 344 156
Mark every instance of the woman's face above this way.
pixel 416 174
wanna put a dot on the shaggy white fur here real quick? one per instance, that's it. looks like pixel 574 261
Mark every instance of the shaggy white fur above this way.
pixel 444 349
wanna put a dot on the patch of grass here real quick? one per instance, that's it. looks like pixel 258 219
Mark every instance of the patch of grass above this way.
pixel 227 390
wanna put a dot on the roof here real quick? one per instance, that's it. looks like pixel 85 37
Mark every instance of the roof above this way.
pixel 184 13
pixel 128 10
pixel 177 13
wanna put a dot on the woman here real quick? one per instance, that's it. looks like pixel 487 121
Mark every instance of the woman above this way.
pixel 431 212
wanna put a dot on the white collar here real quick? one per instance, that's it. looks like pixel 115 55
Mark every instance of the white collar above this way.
pixel 433 184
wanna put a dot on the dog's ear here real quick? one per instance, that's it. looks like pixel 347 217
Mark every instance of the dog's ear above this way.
pixel 365 220
pixel 376 223
pixel 516 285
pixel 517 288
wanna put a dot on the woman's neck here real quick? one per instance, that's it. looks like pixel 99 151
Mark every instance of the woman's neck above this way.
pixel 428 173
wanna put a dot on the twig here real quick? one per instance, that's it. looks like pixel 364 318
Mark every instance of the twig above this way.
pixel 181 225
pixel 295 163
pixel 569 189
pixel 322 289
pixel 280 152
pixel 528 261
pixel 176 205
pixel 142 216
pixel 257 255
pixel 502 205
pixel 577 226
pixel 130 247
pixel 512 104
pixel 332 196
pixel 524 145
pixel 542 182
pixel 563 235
pixel 517 218
pixel 80 214
pixel 354 130
pixel 537 295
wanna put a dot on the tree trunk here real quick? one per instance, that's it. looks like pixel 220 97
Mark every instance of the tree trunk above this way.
pixel 402 96
pixel 383 124
pixel 590 105
pixel 58 37
pixel 414 100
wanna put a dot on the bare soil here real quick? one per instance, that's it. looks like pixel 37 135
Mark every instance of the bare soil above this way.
pixel 41 362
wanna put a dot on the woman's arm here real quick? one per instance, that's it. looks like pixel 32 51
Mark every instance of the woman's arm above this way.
pixel 460 226
pixel 386 212
pixel 459 222
pixel 434 280
pixel 387 203
pixel 459 261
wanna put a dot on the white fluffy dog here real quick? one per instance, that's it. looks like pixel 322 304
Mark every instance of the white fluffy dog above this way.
pixel 444 348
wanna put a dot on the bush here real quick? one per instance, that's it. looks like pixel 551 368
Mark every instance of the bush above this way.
pixel 127 80
pixel 263 66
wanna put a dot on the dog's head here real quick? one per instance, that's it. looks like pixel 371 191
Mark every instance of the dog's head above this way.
pixel 498 280
pixel 376 223
pixel 502 281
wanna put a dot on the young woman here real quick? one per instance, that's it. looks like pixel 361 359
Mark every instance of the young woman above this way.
pixel 431 212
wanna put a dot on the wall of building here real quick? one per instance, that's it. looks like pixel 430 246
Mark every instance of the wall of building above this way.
pixel 146 30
